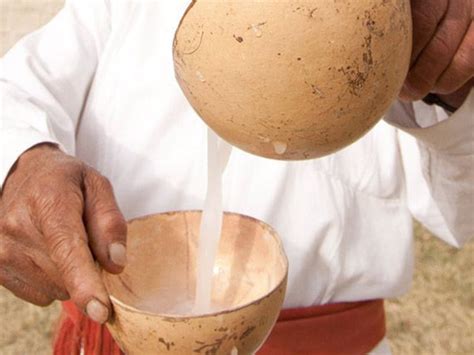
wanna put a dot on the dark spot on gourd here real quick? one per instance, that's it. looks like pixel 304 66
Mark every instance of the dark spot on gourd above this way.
pixel 238 39
pixel 168 345
pixel 247 332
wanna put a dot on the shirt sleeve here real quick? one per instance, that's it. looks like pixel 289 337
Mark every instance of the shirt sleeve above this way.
pixel 45 78
pixel 438 157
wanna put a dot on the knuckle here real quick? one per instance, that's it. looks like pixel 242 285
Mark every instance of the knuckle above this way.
pixel 105 182
pixel 15 222
pixel 10 223
pixel 98 183
pixel 113 224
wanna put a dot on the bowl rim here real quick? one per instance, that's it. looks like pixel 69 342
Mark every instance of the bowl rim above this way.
pixel 279 284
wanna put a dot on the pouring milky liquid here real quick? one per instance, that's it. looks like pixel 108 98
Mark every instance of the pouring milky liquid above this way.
pixel 219 153
pixel 162 301
pixel 211 221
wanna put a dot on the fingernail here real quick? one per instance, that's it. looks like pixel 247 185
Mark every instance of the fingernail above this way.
pixel 97 311
pixel 118 254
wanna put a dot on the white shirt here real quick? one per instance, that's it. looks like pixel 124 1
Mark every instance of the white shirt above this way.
pixel 99 81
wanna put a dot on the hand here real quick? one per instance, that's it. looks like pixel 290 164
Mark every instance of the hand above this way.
pixel 57 216
pixel 457 98
pixel 443 48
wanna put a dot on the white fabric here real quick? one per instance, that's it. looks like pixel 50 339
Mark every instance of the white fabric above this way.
pixel 99 80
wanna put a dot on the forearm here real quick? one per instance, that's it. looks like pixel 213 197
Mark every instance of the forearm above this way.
pixel 45 78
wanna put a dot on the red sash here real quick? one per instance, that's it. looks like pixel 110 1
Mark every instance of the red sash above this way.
pixel 344 328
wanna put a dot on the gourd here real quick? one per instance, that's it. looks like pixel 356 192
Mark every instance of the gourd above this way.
pixel 293 80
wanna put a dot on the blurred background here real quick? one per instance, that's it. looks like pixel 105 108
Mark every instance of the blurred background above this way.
pixel 436 317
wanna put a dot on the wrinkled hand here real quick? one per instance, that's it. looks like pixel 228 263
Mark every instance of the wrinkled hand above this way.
pixel 57 217
pixel 443 48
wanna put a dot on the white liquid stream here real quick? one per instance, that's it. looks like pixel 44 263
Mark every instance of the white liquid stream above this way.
pixel 211 221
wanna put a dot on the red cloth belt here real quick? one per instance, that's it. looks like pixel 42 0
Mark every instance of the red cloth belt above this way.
pixel 343 328
pixel 333 329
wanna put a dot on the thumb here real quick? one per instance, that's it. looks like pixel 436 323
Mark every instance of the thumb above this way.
pixel 104 222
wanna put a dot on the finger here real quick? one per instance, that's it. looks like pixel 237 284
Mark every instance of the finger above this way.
pixel 22 290
pixel 426 20
pixel 22 253
pixel 31 271
pixel 436 56
pixel 29 255
pixel 461 69
pixel 9 258
pixel 105 223
pixel 67 242
pixel 457 98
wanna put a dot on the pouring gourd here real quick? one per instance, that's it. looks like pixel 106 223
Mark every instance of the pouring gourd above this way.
pixel 293 80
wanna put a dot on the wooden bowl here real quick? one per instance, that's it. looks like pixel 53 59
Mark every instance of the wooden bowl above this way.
pixel 152 298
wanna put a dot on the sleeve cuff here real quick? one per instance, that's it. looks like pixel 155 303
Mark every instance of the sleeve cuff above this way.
pixel 453 135
pixel 15 142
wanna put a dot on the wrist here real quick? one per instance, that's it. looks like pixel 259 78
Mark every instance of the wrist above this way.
pixel 433 99
pixel 29 160
pixel 455 99
pixel 38 151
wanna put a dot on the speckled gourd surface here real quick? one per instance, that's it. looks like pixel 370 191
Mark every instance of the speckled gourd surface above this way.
pixel 293 79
